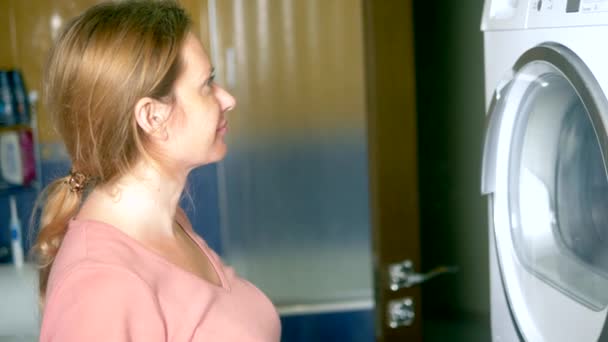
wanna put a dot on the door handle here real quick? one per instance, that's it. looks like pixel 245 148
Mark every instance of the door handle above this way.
pixel 400 313
pixel 402 274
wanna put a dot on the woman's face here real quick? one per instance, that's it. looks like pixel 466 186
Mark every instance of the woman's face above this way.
pixel 198 124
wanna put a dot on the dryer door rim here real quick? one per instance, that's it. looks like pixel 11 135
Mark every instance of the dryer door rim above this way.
pixel 496 146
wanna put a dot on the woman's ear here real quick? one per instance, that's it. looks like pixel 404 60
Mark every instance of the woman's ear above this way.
pixel 151 116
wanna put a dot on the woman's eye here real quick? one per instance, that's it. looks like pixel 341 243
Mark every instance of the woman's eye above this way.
pixel 210 80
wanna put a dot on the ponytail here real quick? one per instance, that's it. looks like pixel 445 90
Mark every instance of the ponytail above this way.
pixel 59 204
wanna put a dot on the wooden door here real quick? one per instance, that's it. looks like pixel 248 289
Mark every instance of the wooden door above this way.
pixel 393 164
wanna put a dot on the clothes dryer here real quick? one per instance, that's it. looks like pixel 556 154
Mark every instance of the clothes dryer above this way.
pixel 545 168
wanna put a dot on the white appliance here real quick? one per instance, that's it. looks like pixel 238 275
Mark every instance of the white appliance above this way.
pixel 544 168
pixel 19 314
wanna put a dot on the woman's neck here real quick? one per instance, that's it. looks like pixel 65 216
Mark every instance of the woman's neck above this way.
pixel 142 203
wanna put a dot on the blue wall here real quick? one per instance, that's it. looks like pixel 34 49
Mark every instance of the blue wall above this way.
pixel 352 326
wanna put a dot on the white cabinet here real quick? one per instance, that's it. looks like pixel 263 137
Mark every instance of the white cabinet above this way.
pixel 19 314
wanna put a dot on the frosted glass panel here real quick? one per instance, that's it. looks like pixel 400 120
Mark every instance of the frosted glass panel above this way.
pixel 298 220
pixel 294 192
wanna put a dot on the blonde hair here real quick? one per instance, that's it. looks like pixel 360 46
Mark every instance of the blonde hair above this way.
pixel 106 59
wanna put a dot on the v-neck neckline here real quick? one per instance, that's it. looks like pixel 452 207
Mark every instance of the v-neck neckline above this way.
pixel 206 252
pixel 157 256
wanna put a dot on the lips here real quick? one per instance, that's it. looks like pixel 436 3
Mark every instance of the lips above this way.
pixel 223 125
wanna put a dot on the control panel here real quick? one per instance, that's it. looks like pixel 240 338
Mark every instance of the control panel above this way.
pixel 564 13
pixel 587 6
pixel 527 14
pixel 570 6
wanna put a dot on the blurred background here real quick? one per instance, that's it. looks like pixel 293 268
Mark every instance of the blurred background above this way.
pixel 290 205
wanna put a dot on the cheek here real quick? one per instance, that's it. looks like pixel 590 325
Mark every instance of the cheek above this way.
pixel 207 116
pixel 199 120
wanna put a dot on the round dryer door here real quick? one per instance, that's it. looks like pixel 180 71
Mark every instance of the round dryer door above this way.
pixel 545 165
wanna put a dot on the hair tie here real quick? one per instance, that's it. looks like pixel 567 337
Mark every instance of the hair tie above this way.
pixel 77 181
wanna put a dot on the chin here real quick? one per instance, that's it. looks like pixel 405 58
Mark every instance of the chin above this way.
pixel 217 155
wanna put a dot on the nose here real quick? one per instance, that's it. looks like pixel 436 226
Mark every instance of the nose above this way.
pixel 226 100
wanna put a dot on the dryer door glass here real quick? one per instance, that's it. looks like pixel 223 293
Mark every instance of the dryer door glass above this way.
pixel 558 188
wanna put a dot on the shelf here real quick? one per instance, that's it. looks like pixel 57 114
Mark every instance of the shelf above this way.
pixel 19 127
pixel 9 189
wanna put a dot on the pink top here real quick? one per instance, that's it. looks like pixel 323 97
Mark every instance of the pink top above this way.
pixel 105 286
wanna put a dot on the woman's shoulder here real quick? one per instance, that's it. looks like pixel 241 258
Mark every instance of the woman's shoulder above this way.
pixel 97 248
pixel 88 276
pixel 102 272
pixel 102 300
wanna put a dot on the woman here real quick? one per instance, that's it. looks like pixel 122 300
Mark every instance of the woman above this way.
pixel 131 92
